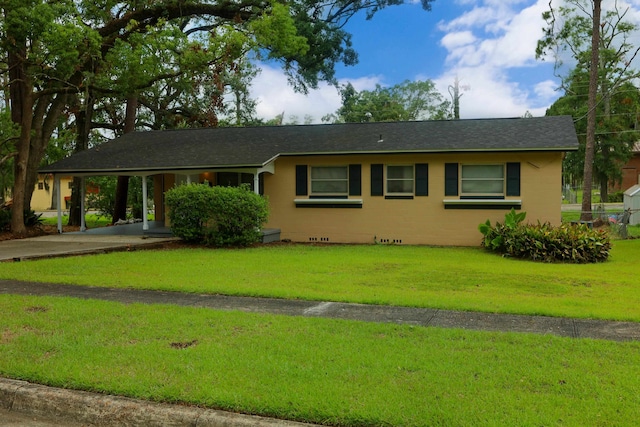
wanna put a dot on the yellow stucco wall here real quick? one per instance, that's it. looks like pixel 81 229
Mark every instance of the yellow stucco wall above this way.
pixel 421 220
pixel 43 192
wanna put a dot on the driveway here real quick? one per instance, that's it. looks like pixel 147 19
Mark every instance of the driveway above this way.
pixel 98 240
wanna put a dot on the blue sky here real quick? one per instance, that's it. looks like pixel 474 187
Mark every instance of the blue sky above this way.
pixel 488 44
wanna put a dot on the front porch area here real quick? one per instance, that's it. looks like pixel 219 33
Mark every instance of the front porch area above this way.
pixel 157 229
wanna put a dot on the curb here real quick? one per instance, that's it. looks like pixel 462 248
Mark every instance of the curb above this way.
pixel 106 410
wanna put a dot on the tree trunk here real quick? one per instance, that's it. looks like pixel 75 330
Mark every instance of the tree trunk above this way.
pixel 21 161
pixel 586 214
pixel 604 189
pixel 83 126
pixel 122 188
pixel 21 96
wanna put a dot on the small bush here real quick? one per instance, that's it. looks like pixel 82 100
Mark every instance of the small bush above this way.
pixel 617 197
pixel 31 219
pixel 5 218
pixel 216 216
pixel 543 242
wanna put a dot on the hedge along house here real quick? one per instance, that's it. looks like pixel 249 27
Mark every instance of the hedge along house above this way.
pixel 429 182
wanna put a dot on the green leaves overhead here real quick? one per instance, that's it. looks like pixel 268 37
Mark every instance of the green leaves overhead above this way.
pixel 49 37
pixel 276 30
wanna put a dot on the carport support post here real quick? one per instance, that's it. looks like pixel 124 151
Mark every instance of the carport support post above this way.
pixel 256 182
pixel 145 221
pixel 83 224
pixel 56 179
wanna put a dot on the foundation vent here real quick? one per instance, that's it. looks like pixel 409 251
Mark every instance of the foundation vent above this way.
pixel 390 241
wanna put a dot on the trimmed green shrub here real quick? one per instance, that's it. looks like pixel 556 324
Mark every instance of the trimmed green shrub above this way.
pixel 216 216
pixel 575 243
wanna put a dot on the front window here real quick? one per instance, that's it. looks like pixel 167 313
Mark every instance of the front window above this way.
pixel 234 179
pixel 329 180
pixel 482 180
pixel 400 179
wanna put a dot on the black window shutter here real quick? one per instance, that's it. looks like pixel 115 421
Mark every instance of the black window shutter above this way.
pixel 513 179
pixel 355 184
pixel 450 179
pixel 422 179
pixel 377 180
pixel 301 180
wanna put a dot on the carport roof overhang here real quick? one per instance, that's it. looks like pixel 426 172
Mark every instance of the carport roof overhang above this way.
pixel 193 170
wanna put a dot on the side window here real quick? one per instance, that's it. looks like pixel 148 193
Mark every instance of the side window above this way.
pixel 482 180
pixel 329 181
pixel 477 181
pixel 400 180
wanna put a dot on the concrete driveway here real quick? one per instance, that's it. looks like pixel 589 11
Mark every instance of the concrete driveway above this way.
pixel 99 240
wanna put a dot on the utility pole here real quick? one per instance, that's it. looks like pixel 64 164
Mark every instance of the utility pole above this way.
pixel 454 91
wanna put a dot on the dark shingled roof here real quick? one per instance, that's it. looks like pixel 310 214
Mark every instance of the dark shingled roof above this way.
pixel 252 147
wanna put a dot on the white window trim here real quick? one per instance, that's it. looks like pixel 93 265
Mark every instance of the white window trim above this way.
pixel 472 202
pixel 327 201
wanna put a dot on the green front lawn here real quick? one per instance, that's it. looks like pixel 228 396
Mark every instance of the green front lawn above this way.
pixel 329 371
pixel 448 278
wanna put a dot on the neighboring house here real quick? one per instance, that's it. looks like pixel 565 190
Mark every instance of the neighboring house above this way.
pixel 44 197
pixel 630 171
pixel 429 182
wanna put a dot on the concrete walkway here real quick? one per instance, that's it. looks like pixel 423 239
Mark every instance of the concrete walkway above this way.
pixel 428 317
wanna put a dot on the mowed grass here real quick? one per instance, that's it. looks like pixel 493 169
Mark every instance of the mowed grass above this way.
pixel 446 278
pixel 335 372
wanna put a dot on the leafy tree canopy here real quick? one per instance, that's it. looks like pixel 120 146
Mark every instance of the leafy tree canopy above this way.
pixel 406 101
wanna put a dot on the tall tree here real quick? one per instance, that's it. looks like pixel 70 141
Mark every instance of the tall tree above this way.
pixel 590 143
pixel 406 101
pixel 596 44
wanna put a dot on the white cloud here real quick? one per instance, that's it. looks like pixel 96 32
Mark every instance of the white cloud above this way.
pixel 457 39
pixel 547 90
pixel 503 41
pixel 275 96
